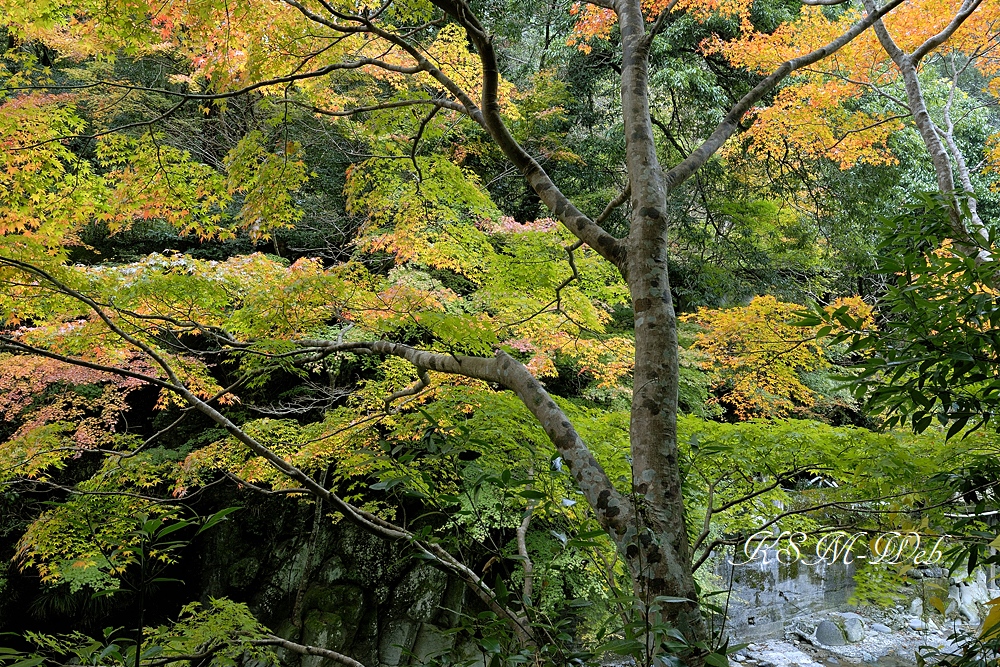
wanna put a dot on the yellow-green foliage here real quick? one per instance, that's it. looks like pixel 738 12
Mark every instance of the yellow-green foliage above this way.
pixel 88 540
pixel 756 355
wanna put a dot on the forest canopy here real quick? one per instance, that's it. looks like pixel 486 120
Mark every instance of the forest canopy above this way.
pixel 563 301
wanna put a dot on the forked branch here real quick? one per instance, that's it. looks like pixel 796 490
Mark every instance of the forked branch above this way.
pixel 725 129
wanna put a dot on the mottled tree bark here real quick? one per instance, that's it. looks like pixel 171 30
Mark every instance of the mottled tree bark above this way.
pixel 647 526
pixel 659 556
pixel 650 534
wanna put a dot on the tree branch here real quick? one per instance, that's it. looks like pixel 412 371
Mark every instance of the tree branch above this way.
pixel 725 129
pixel 303 649
pixel 622 197
pixel 561 207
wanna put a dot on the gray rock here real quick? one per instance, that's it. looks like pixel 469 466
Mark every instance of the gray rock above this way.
pixel 854 628
pixel 917 607
pixel 884 629
pixel 916 624
pixel 951 648
pixel 829 633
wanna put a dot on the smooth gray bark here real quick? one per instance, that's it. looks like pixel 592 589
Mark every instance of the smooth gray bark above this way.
pixel 659 555
pixel 973 236
pixel 650 533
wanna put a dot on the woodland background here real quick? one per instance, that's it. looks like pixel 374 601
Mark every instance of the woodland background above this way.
pixel 184 182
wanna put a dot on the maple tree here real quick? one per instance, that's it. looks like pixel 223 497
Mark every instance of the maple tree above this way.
pixel 535 294
pixel 756 354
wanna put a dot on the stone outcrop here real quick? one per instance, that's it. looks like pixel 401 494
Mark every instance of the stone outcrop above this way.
pixel 769 596
pixel 338 588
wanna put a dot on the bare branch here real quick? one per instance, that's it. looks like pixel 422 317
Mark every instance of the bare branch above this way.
pixel 303 649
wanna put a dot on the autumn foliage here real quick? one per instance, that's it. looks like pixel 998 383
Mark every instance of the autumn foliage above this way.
pixel 756 354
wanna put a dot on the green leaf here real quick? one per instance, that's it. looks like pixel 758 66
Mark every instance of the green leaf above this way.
pixel 717 660
pixel 29 662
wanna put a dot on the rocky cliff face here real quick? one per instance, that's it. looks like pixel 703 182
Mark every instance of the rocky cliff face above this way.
pixel 336 587
pixel 768 595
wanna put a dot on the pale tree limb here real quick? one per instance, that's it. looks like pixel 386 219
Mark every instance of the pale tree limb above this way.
pixel 610 506
pixel 423 381
pixel 948 133
pixel 303 649
pixel 729 124
pixel 659 559
pixel 972 241
pixel 522 546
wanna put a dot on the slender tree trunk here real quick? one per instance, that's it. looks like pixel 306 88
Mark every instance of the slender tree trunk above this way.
pixel 660 556
pixel 971 236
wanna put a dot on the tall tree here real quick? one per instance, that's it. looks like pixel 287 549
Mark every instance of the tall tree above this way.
pixel 342 60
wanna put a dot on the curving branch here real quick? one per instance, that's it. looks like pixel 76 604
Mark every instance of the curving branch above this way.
pixel 730 123
pixel 561 207
pixel 614 511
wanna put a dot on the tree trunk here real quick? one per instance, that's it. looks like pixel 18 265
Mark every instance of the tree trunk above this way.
pixel 660 556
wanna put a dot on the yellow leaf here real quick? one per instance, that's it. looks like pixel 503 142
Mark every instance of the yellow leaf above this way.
pixel 992 622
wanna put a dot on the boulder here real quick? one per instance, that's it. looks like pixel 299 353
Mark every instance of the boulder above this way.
pixel 854 628
pixel 965 596
pixel 829 633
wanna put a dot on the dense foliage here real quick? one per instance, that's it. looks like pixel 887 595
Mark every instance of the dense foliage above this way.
pixel 290 252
